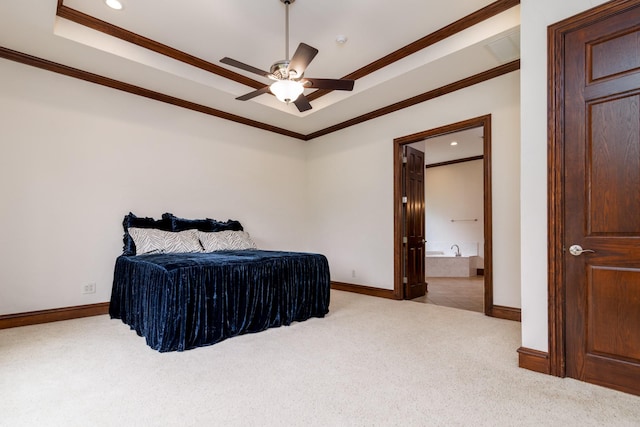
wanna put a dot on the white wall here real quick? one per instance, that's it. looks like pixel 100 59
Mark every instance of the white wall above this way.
pixel 455 192
pixel 76 157
pixel 536 16
pixel 350 178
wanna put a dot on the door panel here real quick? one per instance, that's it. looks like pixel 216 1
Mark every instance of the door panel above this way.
pixel 616 54
pixel 414 220
pixel 601 175
pixel 611 312
pixel 614 173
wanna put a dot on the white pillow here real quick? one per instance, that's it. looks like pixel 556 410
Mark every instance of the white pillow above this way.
pixel 226 240
pixel 152 240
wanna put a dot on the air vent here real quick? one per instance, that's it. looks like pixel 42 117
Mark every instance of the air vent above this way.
pixel 505 49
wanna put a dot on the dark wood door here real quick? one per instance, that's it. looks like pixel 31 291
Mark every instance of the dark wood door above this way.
pixel 414 223
pixel 602 201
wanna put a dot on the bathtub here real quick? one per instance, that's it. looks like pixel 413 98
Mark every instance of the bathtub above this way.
pixel 440 265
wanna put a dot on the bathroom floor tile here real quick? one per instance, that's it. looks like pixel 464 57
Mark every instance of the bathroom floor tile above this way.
pixel 466 293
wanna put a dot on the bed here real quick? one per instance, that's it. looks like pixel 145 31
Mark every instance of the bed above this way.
pixel 211 291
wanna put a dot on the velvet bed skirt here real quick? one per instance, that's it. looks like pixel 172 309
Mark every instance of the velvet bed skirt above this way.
pixel 182 301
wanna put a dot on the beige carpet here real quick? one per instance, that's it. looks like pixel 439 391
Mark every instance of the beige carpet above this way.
pixel 370 362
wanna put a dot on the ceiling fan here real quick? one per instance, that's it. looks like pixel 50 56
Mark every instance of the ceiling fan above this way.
pixel 289 74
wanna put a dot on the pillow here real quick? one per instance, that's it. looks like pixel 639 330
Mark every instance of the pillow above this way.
pixel 133 221
pixel 226 240
pixel 180 224
pixel 154 241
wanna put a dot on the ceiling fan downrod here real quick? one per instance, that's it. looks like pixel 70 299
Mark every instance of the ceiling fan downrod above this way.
pixel 286 28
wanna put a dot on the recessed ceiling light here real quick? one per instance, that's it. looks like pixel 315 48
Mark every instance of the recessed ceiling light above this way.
pixel 114 4
pixel 454 143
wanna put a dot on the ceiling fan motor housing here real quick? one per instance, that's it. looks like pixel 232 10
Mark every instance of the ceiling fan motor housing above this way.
pixel 279 70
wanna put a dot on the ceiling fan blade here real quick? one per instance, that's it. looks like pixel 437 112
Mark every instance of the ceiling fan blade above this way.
pixel 253 94
pixel 302 103
pixel 303 55
pixel 333 84
pixel 244 66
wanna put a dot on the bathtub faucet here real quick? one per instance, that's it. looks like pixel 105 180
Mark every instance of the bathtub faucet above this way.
pixel 457 250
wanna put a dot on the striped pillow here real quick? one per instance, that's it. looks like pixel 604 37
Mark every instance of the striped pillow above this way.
pixel 154 241
pixel 226 240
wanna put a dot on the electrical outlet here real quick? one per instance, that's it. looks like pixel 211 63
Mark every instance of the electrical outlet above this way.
pixel 89 288
pixel 353 273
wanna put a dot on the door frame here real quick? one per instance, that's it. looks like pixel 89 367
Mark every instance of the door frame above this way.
pixel 398 144
pixel 555 199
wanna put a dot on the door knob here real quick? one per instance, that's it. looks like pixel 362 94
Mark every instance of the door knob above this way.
pixel 576 250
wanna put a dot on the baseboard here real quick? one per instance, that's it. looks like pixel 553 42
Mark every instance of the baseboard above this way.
pixel 54 315
pixel 508 313
pixel 534 360
pixel 365 290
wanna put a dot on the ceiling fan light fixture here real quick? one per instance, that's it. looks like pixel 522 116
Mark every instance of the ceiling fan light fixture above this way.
pixel 287 90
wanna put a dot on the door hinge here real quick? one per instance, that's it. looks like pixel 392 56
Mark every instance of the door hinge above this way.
pixel 405 159
pixel 405 280
pixel 404 200
pixel 405 240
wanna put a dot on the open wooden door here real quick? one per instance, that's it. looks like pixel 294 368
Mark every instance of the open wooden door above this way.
pixel 601 198
pixel 415 285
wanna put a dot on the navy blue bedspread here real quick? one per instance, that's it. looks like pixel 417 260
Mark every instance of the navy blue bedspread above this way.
pixel 182 301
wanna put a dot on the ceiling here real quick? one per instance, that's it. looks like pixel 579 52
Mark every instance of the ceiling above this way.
pixel 439 149
pixel 253 32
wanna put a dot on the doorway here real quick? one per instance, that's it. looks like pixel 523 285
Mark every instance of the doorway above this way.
pixel 484 123
pixel 454 218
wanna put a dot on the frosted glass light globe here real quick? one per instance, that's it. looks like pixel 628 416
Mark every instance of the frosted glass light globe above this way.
pixel 286 90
